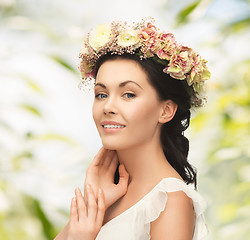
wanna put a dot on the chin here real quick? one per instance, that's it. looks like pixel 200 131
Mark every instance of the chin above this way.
pixel 112 145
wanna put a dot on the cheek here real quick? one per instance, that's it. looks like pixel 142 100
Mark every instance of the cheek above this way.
pixel 144 113
pixel 96 112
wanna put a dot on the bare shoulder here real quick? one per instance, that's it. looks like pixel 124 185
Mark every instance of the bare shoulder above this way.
pixel 176 222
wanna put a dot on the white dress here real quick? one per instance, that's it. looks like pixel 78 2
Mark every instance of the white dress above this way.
pixel 134 223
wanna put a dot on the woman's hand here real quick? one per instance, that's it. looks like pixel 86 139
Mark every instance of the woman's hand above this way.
pixel 100 174
pixel 85 220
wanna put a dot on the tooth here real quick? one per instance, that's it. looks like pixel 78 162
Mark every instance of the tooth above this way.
pixel 113 126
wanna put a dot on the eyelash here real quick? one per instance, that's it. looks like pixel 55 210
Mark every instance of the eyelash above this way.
pixel 97 96
pixel 133 95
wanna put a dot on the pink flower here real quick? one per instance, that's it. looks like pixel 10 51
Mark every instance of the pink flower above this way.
pixel 199 73
pixel 180 64
pixel 148 33
pixel 168 46
pixel 86 68
pixel 149 37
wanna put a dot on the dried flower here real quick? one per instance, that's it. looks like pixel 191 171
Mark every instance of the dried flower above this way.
pixel 143 38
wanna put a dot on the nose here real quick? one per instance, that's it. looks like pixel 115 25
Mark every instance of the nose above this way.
pixel 110 106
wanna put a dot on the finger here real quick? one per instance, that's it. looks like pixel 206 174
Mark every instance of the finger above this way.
pixel 92 206
pixel 81 207
pixel 99 157
pixel 108 159
pixel 85 198
pixel 113 164
pixel 94 189
pixel 73 211
pixel 100 208
pixel 124 176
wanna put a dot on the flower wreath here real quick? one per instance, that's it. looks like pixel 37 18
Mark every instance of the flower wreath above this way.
pixel 144 39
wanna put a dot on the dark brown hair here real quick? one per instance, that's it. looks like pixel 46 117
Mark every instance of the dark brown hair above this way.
pixel 175 145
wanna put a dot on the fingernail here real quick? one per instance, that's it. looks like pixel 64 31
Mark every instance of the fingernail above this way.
pixel 78 190
pixel 88 186
pixel 100 191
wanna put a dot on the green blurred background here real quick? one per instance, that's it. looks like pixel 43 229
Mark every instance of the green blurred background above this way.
pixel 48 138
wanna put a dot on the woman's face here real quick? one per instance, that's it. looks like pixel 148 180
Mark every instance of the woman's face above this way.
pixel 126 108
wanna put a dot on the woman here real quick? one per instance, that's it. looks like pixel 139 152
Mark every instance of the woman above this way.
pixel 136 187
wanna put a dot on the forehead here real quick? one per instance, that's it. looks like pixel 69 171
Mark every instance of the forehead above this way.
pixel 117 70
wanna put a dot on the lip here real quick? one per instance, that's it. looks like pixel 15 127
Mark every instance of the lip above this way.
pixel 112 123
pixel 110 130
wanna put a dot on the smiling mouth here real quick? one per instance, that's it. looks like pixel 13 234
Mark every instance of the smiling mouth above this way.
pixel 109 126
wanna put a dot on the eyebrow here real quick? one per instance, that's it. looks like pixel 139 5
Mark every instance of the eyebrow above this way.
pixel 120 85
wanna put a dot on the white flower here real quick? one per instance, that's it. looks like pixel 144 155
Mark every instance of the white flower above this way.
pixel 128 38
pixel 100 36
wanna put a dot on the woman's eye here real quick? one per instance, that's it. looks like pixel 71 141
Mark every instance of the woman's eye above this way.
pixel 100 95
pixel 129 95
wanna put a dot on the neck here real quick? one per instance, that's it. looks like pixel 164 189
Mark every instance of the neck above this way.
pixel 145 163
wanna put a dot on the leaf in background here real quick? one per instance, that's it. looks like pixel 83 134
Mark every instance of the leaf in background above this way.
pixel 54 137
pixel 31 83
pixel 199 122
pixel 63 63
pixel 31 109
pixel 35 208
pixel 227 212
pixel 184 13
pixel 237 26
pixel 18 159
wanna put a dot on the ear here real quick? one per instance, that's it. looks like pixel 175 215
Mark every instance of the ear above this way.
pixel 168 111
